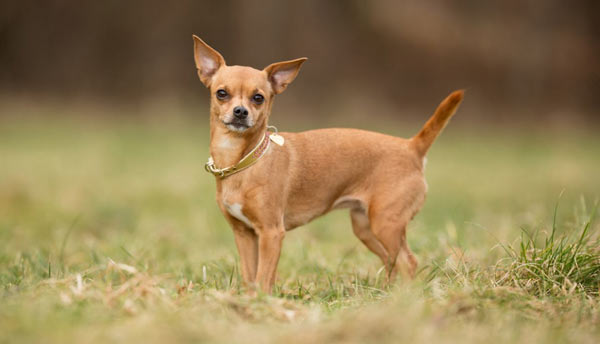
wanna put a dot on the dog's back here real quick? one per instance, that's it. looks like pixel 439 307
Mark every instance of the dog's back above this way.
pixel 349 168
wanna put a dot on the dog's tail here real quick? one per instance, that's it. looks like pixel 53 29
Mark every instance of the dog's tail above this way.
pixel 423 140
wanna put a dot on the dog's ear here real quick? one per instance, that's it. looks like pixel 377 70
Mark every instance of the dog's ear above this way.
pixel 282 74
pixel 208 60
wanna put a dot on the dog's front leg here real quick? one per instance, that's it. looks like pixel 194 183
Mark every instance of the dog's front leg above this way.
pixel 270 241
pixel 246 241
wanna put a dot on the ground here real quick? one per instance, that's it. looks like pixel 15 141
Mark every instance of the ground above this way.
pixel 110 233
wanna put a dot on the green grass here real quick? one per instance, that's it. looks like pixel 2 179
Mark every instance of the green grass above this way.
pixel 109 232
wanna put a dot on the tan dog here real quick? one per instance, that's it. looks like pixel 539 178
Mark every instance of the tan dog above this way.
pixel 379 177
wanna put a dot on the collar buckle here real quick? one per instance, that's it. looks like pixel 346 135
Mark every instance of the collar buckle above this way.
pixel 211 168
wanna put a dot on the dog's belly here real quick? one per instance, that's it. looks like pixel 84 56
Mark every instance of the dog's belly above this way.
pixel 299 215
pixel 292 220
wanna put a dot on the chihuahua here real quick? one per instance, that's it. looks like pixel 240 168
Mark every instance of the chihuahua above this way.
pixel 269 182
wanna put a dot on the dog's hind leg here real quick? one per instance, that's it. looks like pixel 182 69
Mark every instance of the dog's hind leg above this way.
pixel 389 218
pixel 362 229
pixel 391 232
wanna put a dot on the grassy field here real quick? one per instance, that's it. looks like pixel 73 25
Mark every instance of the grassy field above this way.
pixel 109 232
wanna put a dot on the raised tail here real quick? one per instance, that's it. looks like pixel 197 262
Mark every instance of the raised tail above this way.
pixel 423 140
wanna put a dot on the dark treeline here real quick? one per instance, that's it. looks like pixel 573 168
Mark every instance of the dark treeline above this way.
pixel 534 54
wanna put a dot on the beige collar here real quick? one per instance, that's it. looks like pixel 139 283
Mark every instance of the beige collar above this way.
pixel 249 159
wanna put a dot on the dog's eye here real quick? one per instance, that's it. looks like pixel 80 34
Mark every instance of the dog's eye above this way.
pixel 258 98
pixel 222 94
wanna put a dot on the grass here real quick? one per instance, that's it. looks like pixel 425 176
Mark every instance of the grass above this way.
pixel 110 233
pixel 561 266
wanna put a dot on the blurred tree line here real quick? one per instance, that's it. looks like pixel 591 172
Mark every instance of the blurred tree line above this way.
pixel 537 55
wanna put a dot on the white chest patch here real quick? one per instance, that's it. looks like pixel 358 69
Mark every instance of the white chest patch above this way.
pixel 235 210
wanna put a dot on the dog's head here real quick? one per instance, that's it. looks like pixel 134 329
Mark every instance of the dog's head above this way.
pixel 241 97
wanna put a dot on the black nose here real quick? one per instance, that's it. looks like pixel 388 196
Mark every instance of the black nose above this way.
pixel 240 112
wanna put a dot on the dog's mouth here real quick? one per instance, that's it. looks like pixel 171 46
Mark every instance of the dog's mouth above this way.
pixel 237 125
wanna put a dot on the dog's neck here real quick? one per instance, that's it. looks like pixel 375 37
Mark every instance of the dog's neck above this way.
pixel 227 148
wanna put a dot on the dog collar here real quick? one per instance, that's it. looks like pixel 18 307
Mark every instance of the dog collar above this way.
pixel 249 159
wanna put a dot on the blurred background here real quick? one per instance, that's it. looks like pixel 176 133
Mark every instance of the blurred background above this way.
pixel 520 60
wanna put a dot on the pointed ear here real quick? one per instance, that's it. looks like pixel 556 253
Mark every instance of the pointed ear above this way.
pixel 282 74
pixel 208 60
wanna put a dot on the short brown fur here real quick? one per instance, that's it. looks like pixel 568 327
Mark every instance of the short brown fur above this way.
pixel 379 177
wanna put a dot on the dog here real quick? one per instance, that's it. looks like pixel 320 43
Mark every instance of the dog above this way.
pixel 269 182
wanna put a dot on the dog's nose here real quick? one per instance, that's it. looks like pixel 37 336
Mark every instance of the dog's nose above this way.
pixel 240 112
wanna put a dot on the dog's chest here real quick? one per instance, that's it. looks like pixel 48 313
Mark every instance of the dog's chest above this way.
pixel 233 203
pixel 235 210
